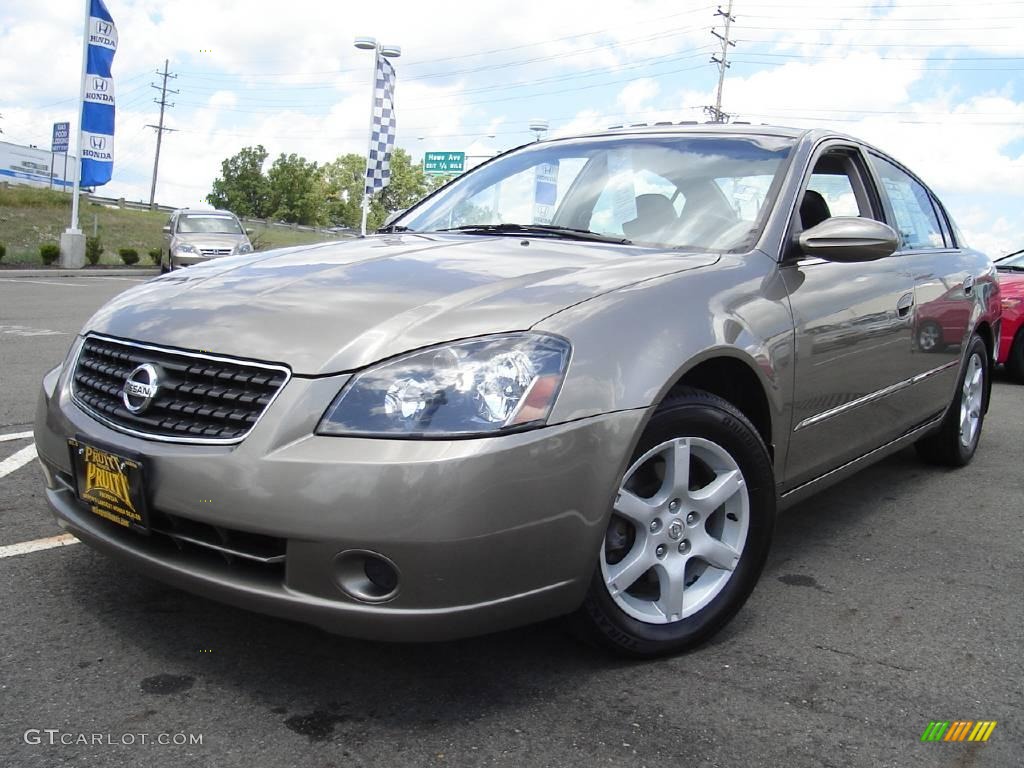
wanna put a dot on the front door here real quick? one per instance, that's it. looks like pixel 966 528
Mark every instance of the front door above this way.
pixel 853 330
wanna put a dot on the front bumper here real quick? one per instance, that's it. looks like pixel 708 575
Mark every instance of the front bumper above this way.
pixel 486 533
pixel 189 259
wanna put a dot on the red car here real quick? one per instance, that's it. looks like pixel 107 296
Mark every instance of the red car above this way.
pixel 1011 338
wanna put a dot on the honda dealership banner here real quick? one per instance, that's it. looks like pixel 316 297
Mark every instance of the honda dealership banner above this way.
pixel 98 104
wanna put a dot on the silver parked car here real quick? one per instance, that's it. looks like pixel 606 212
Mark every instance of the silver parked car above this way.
pixel 580 379
pixel 194 236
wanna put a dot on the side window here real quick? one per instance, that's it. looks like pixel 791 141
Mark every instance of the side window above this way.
pixel 947 232
pixel 916 221
pixel 837 190
pixel 838 186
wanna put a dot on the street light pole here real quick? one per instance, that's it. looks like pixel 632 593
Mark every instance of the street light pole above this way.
pixel 390 51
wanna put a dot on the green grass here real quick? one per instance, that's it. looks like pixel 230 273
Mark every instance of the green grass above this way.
pixel 30 217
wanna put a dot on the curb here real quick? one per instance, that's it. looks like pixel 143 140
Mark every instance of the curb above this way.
pixel 79 272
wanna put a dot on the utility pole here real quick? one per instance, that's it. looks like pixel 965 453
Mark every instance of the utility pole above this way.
pixel 160 128
pixel 716 113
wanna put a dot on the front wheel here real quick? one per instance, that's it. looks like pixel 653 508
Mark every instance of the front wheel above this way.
pixel 956 440
pixel 689 532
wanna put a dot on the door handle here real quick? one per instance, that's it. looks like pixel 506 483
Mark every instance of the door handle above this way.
pixel 969 285
pixel 904 304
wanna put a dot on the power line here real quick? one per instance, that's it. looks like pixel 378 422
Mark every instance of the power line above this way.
pixel 722 60
pixel 160 127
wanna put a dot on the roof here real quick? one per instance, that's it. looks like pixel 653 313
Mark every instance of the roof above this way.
pixel 739 128
pixel 205 211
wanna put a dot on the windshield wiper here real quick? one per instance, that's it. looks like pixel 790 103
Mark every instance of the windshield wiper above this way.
pixel 569 233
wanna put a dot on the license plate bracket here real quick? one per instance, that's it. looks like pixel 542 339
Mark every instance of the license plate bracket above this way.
pixel 111 484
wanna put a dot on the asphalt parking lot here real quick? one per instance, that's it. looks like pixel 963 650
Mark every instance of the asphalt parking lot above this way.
pixel 889 601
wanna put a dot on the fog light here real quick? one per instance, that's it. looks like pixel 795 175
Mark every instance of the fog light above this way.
pixel 366 576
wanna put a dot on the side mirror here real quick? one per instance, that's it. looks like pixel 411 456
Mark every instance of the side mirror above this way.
pixel 249 231
pixel 849 239
pixel 167 229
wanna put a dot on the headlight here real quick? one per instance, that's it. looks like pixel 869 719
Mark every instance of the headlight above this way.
pixel 185 248
pixel 475 387
pixel 244 248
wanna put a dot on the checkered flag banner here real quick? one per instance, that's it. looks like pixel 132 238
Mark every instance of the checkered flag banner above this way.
pixel 382 131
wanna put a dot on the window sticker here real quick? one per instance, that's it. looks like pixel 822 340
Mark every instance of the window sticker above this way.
pixel 545 193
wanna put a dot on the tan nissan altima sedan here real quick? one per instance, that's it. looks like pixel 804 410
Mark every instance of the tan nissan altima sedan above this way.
pixel 578 380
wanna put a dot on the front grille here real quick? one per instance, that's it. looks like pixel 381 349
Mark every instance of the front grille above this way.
pixel 200 398
pixel 215 251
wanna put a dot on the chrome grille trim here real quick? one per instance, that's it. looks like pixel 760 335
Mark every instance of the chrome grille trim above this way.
pixel 174 352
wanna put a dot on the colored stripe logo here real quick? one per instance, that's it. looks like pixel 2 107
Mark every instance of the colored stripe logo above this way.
pixel 958 730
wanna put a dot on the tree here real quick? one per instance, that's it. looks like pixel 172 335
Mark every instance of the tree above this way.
pixel 241 187
pixel 408 185
pixel 343 184
pixel 344 181
pixel 297 193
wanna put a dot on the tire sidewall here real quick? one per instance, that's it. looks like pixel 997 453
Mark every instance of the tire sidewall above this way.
pixel 976 347
pixel 732 432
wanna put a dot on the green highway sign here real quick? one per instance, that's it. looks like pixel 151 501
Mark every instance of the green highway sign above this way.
pixel 444 162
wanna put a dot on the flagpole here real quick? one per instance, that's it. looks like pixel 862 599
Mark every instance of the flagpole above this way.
pixel 369 140
pixel 73 229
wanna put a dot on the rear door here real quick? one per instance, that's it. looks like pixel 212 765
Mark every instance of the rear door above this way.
pixel 943 286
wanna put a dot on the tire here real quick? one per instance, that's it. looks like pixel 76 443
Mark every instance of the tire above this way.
pixel 1015 360
pixel 718 446
pixel 164 269
pixel 954 443
pixel 929 337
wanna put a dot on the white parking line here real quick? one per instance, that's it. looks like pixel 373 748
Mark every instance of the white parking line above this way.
pixel 25 547
pixel 54 281
pixel 24 330
pixel 17 461
pixel 15 436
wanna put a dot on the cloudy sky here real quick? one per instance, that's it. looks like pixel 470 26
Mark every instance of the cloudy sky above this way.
pixel 940 85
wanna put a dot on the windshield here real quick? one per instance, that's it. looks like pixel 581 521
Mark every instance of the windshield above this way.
pixel 210 225
pixel 694 192
pixel 1014 261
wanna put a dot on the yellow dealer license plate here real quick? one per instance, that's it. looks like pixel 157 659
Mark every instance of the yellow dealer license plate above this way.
pixel 110 484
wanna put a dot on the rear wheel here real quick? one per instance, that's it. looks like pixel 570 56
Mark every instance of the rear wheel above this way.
pixel 689 533
pixel 165 268
pixel 956 440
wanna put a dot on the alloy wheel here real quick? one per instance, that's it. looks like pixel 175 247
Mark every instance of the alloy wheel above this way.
pixel 678 530
pixel 971 400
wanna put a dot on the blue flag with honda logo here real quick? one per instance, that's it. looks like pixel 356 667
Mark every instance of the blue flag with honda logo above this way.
pixel 98 106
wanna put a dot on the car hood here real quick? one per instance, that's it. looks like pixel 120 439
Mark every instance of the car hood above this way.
pixel 1011 284
pixel 339 306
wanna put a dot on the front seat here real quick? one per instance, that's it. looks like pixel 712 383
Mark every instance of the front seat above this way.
pixel 813 209
pixel 654 213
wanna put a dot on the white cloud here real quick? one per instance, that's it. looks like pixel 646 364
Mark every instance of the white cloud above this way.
pixel 254 71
